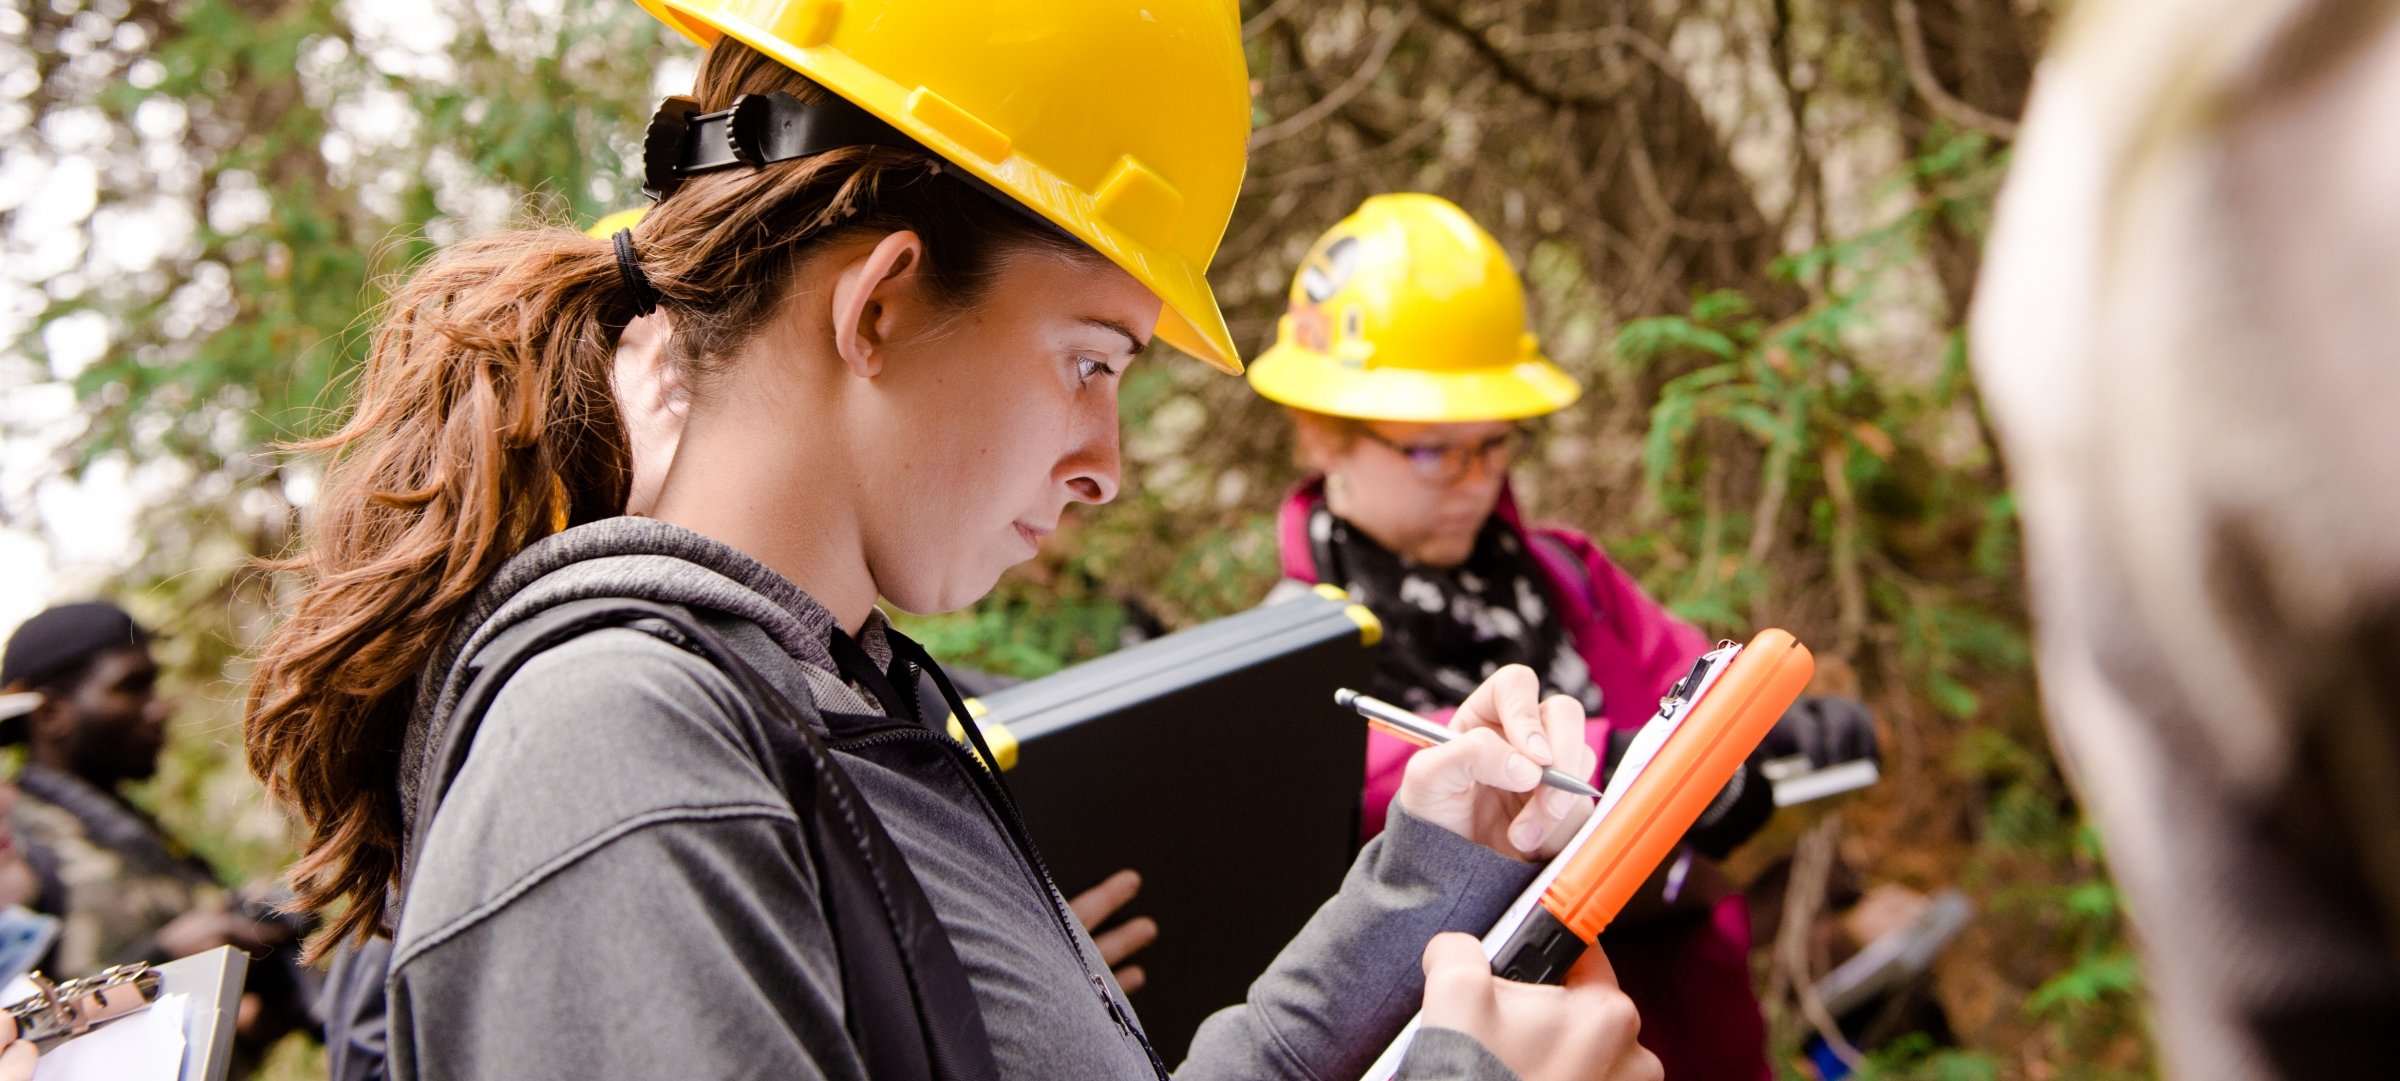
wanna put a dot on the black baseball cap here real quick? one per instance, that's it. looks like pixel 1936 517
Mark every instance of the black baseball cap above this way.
pixel 62 637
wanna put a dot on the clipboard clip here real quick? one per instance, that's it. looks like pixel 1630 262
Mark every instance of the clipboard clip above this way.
pixel 1689 686
pixel 71 1008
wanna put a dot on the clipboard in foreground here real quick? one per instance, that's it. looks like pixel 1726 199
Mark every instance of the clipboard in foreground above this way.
pixel 214 982
pixel 196 997
pixel 1705 727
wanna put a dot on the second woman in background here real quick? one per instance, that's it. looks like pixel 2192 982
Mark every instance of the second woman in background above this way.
pixel 1406 364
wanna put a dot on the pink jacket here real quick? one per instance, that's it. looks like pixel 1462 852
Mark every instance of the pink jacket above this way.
pixel 1691 980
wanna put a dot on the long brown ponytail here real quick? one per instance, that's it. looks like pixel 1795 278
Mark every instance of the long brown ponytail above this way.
pixel 485 417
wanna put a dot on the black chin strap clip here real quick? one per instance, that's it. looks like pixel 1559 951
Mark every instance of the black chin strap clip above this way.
pixel 760 129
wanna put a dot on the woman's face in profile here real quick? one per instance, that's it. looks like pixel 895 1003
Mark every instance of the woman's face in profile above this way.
pixel 992 421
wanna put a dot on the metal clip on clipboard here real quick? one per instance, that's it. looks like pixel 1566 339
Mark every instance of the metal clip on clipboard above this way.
pixel 71 1008
pixel 1705 727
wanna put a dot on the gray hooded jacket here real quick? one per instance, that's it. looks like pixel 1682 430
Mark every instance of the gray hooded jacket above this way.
pixel 614 887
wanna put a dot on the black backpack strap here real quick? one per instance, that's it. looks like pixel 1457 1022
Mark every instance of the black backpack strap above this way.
pixel 1012 820
pixel 908 1006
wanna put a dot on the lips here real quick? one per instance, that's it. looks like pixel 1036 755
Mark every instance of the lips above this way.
pixel 1031 535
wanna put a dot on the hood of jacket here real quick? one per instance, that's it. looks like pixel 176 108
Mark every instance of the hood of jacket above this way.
pixel 641 558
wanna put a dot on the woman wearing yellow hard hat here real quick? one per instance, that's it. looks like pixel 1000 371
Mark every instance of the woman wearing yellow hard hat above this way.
pixel 653 796
pixel 651 401
pixel 1408 371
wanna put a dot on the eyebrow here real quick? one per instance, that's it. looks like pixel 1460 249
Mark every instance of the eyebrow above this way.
pixel 1133 340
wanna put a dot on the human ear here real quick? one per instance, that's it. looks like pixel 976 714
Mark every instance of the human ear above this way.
pixel 1318 444
pixel 51 721
pixel 868 296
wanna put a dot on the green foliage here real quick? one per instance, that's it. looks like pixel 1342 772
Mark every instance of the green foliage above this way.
pixel 1838 458
pixel 312 151
pixel 1791 480
pixel 2095 978
pixel 1021 632
pixel 1914 1058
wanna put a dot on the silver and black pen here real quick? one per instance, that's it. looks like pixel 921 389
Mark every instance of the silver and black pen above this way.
pixel 1424 733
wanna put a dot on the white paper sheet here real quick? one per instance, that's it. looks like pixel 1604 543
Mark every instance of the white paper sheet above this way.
pixel 147 1046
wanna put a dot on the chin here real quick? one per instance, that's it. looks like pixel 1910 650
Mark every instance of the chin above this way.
pixel 955 592
pixel 1445 555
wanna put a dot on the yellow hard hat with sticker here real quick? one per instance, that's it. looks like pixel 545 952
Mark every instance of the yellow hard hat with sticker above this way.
pixel 1125 123
pixel 1408 311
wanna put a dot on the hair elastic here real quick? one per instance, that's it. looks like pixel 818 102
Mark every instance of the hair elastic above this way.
pixel 629 267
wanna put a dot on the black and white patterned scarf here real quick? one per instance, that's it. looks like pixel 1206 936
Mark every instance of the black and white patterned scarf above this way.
pixel 1446 630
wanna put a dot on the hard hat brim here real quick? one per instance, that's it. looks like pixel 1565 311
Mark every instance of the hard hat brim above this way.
pixel 1190 318
pixel 1302 379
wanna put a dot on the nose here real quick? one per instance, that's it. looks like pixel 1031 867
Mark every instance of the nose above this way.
pixel 1092 468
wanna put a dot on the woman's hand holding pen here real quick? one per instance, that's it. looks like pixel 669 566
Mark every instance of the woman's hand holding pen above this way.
pixel 1486 784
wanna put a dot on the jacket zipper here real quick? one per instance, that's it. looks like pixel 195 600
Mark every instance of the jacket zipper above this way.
pixel 1021 839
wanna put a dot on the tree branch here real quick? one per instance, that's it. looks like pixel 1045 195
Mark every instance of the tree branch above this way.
pixel 1358 164
pixel 1372 66
pixel 1508 69
pixel 1259 23
pixel 1928 86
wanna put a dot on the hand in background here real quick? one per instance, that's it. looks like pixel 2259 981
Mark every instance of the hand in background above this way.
pixel 1094 906
pixel 1827 729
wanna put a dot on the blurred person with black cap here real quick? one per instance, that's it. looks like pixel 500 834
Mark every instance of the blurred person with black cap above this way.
pixel 126 889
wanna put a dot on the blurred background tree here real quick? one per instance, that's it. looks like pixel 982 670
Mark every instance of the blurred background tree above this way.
pixel 1750 226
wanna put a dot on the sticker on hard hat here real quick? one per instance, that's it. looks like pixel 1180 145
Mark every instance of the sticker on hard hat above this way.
pixel 1329 270
pixel 1311 328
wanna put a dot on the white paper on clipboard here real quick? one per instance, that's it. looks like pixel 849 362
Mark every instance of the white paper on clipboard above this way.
pixel 144 1046
pixel 1638 755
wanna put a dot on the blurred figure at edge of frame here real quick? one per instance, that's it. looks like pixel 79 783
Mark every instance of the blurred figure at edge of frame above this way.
pixel 2184 334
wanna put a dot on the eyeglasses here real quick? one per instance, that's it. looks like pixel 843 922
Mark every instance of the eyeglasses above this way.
pixel 1444 463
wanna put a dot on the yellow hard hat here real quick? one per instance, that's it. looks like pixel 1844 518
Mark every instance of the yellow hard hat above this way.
pixel 623 219
pixel 1126 123
pixel 1407 310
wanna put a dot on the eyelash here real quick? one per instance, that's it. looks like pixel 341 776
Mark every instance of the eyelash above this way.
pixel 1087 369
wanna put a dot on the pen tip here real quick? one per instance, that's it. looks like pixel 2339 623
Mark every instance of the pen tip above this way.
pixel 1345 697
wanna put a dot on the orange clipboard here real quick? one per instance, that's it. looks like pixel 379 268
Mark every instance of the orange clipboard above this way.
pixel 1706 726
